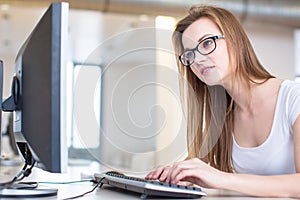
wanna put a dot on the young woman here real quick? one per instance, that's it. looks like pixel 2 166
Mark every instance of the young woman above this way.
pixel 243 123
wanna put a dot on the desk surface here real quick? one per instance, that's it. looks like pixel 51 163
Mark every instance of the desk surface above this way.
pixel 76 173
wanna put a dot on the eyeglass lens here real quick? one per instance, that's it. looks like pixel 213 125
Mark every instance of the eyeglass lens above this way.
pixel 205 47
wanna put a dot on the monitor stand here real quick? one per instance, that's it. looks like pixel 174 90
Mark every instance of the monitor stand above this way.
pixel 19 190
pixel 27 193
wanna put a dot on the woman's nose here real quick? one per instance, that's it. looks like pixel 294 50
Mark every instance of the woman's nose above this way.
pixel 199 57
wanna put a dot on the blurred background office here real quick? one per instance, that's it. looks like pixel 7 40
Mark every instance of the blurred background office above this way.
pixel 124 105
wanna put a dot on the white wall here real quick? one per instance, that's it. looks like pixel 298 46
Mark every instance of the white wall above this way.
pixel 125 47
pixel 274 46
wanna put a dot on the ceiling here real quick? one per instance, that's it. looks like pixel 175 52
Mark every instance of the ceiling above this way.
pixel 275 11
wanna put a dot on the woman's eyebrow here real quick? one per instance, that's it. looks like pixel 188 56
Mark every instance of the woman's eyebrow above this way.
pixel 200 39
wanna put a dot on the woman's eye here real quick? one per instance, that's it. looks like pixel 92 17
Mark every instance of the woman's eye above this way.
pixel 206 43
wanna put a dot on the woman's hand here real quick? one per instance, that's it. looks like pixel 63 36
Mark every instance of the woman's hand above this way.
pixel 159 173
pixel 193 170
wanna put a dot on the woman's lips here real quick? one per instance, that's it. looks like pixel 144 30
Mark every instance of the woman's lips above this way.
pixel 204 70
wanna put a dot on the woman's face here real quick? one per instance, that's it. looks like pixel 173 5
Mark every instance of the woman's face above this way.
pixel 212 69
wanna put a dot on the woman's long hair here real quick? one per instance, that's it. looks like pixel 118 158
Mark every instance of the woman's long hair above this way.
pixel 210 109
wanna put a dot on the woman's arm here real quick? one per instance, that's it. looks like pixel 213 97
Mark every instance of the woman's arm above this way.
pixel 200 173
pixel 264 186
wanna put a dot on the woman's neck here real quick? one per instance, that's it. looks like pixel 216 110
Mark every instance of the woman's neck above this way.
pixel 251 98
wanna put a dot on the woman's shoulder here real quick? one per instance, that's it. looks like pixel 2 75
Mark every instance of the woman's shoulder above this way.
pixel 291 83
pixel 290 94
pixel 290 86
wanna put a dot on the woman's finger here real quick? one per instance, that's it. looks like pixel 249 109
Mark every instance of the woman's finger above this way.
pixel 155 173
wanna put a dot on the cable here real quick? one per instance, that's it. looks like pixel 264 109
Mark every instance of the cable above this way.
pixel 24 185
pixel 20 173
pixel 25 172
pixel 67 182
pixel 99 184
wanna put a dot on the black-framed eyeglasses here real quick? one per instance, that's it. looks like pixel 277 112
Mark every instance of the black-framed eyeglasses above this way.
pixel 204 47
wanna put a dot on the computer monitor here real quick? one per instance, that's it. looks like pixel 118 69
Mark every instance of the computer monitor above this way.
pixel 38 98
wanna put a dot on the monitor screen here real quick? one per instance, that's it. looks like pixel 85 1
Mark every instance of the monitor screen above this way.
pixel 38 92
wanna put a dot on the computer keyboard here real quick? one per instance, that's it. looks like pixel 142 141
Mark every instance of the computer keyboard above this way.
pixel 148 187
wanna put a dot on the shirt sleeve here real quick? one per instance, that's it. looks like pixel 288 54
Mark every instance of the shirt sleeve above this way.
pixel 294 103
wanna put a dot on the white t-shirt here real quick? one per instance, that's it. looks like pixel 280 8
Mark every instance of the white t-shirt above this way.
pixel 276 154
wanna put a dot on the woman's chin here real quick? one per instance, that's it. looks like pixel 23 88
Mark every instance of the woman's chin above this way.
pixel 212 80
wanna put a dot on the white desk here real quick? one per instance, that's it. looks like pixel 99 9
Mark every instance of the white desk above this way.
pixel 105 193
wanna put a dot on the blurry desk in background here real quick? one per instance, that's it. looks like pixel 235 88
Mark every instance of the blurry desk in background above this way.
pixel 78 172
